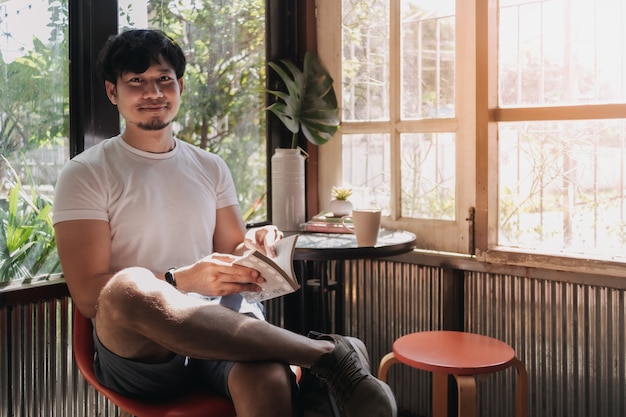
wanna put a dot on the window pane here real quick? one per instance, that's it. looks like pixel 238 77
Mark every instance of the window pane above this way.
pixel 223 103
pixel 428 175
pixel 555 52
pixel 428 59
pixel 365 63
pixel 563 186
pixel 34 130
pixel 424 182
pixel 367 170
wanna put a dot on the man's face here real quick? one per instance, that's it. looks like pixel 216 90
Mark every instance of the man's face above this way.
pixel 150 100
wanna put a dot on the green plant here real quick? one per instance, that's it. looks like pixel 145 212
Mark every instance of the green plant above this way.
pixel 27 246
pixel 309 104
pixel 341 193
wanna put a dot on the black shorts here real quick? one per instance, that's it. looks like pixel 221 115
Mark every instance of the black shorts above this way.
pixel 158 380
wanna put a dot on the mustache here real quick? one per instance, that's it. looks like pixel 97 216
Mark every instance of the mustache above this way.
pixel 153 103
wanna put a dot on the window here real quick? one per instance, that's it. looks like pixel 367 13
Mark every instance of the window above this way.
pixel 483 127
pixel 223 107
pixel 404 117
pixel 34 131
pixel 562 178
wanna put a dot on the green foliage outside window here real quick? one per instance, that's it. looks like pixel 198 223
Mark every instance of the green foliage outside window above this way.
pixel 27 246
pixel 222 112
pixel 34 115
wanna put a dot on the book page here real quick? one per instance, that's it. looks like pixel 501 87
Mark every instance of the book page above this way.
pixel 278 272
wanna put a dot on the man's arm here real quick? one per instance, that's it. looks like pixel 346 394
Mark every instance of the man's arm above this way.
pixel 229 234
pixel 84 248
pixel 229 231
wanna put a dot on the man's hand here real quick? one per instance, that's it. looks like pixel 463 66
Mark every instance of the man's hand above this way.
pixel 215 275
pixel 263 239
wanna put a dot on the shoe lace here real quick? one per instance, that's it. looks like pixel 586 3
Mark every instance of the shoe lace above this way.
pixel 345 377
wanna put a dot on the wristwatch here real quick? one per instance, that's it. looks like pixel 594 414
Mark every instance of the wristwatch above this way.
pixel 170 278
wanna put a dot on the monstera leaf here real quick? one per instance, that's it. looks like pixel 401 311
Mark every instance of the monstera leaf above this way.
pixel 309 104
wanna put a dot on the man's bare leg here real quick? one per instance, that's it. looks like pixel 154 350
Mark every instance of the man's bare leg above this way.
pixel 140 317
pixel 261 389
pixel 143 318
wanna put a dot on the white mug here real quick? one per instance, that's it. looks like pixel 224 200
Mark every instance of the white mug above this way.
pixel 365 225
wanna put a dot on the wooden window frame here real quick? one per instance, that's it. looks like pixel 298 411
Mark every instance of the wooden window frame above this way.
pixel 479 32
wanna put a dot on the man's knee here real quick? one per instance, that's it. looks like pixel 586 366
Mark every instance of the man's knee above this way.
pixel 279 377
pixel 126 292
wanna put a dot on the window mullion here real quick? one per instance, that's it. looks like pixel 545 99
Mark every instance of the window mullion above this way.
pixel 486 135
pixel 395 97
pixel 92 118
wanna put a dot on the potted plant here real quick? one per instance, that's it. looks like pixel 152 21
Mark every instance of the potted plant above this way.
pixel 340 205
pixel 309 105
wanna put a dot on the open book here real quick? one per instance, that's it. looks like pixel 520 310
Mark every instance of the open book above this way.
pixel 280 278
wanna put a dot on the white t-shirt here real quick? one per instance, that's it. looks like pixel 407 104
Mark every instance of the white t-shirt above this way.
pixel 160 207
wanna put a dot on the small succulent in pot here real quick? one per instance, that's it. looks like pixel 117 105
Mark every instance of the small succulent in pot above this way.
pixel 339 205
pixel 341 193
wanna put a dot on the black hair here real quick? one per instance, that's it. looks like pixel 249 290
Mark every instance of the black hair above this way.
pixel 135 50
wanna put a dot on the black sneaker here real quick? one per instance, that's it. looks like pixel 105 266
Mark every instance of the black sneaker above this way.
pixel 314 398
pixel 361 351
pixel 357 392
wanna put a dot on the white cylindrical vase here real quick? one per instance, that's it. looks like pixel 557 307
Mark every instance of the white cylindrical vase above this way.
pixel 288 196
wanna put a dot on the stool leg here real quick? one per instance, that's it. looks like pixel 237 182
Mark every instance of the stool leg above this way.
pixel 385 363
pixel 440 394
pixel 467 395
pixel 521 401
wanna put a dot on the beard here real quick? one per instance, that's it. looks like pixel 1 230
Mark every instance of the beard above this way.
pixel 154 124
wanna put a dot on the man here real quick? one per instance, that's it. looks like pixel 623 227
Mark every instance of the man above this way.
pixel 135 205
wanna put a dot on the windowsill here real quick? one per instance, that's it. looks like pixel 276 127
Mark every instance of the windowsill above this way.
pixel 504 261
pixel 32 290
pixel 557 262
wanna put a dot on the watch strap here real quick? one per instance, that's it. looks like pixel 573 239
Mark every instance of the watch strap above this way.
pixel 170 278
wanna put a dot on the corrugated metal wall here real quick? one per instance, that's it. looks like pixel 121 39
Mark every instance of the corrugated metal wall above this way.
pixel 572 338
pixel 37 373
pixel 385 300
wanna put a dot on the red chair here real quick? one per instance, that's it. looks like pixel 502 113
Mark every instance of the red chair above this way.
pixel 195 404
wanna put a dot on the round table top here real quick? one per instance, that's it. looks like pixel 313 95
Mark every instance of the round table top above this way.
pixel 451 352
pixel 325 246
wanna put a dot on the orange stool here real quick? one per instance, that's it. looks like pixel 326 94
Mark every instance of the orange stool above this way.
pixel 462 355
